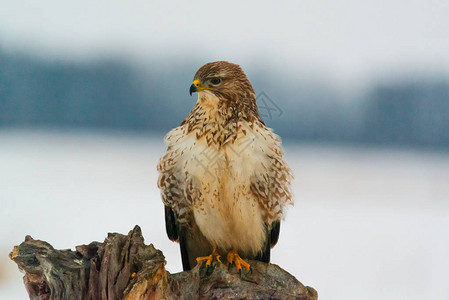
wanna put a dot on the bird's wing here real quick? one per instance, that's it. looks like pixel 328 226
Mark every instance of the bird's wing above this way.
pixel 176 231
pixel 270 184
pixel 170 182
pixel 167 183
pixel 177 193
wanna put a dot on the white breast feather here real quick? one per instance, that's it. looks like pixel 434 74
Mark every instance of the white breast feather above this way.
pixel 227 212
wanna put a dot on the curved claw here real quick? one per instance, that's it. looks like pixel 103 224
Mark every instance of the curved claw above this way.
pixel 234 258
pixel 210 258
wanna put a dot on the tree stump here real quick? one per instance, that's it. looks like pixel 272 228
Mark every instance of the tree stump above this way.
pixel 123 267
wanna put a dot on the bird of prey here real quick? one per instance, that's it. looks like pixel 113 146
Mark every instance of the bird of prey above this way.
pixel 223 179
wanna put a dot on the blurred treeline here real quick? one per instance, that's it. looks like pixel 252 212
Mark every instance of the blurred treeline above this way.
pixel 110 94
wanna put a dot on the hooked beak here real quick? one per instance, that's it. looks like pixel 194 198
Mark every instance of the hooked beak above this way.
pixel 193 89
pixel 196 87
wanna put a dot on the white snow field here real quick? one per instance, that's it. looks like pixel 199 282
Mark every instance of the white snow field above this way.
pixel 368 223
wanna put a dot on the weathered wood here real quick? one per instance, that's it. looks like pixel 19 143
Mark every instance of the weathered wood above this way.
pixel 123 267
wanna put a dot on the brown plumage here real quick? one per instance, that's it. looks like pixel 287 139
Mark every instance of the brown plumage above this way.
pixel 223 179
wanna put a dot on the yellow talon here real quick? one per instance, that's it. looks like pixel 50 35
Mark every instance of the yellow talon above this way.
pixel 210 258
pixel 233 257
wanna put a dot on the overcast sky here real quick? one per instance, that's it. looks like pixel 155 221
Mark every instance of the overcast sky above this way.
pixel 346 39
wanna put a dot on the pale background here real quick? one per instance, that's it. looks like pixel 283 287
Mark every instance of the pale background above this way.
pixel 371 213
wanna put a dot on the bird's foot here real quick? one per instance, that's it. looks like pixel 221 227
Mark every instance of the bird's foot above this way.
pixel 210 258
pixel 234 258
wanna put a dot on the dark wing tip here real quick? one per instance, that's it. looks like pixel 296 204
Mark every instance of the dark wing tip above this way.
pixel 170 224
pixel 274 234
pixel 272 239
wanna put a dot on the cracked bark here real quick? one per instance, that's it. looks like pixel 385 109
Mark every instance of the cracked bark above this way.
pixel 123 267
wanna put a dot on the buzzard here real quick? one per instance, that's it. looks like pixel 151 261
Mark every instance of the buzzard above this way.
pixel 223 179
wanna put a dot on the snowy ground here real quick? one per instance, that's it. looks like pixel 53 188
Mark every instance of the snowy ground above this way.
pixel 367 224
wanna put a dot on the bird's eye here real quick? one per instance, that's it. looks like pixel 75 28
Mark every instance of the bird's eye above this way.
pixel 215 80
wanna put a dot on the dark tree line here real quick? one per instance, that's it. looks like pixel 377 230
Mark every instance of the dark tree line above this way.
pixel 114 95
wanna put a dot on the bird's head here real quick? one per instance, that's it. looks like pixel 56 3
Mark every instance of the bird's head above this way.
pixel 223 84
